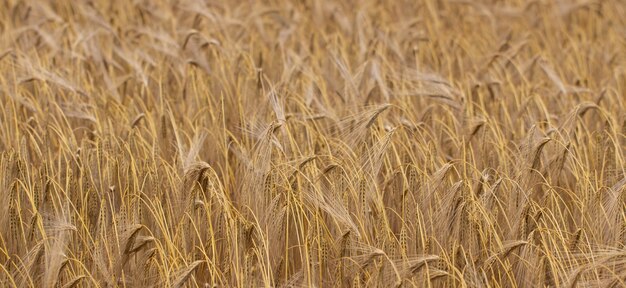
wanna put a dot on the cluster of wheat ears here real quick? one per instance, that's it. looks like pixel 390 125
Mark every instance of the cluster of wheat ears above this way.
pixel 430 143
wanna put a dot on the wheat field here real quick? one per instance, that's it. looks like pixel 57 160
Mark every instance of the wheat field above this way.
pixel 431 143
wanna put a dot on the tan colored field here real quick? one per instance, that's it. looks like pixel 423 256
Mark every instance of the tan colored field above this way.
pixel 431 143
